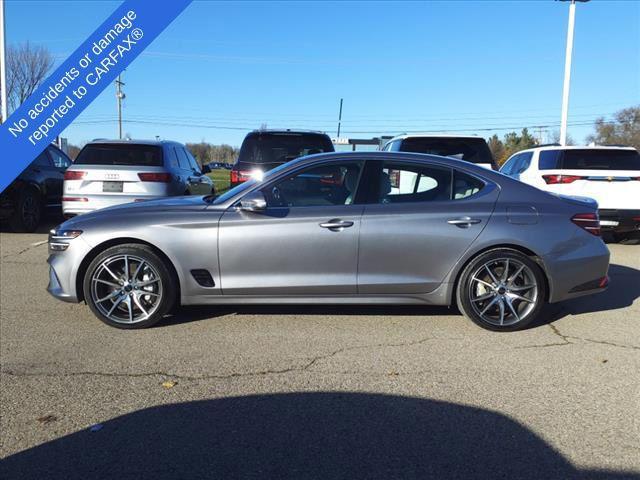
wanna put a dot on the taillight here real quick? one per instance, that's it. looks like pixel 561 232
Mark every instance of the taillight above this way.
pixel 74 175
pixel 162 177
pixel 588 221
pixel 238 176
pixel 75 199
pixel 556 179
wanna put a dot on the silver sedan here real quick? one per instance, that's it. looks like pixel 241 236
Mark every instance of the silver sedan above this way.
pixel 343 228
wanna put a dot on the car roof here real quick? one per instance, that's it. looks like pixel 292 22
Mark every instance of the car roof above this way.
pixel 132 142
pixel 382 155
pixel 575 147
pixel 433 135
pixel 284 131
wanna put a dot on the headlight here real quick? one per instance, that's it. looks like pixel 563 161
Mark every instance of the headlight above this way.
pixel 59 239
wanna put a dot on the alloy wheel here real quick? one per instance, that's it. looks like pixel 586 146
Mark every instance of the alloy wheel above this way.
pixel 126 289
pixel 503 291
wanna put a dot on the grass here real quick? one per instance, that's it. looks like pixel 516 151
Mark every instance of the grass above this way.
pixel 220 180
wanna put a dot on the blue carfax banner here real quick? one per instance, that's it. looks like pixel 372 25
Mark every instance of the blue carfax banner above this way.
pixel 79 80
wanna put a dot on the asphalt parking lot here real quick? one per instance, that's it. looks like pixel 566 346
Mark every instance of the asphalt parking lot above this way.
pixel 316 392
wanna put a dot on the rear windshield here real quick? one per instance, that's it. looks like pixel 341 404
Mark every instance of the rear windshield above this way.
pixel 589 159
pixel 270 148
pixel 119 154
pixel 474 150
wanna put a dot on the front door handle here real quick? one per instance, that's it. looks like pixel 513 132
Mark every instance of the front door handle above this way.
pixel 463 222
pixel 336 224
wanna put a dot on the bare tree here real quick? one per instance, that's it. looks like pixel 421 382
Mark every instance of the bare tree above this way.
pixel 27 67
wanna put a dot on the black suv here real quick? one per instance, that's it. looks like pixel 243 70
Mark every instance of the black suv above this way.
pixel 37 190
pixel 263 150
pixel 466 147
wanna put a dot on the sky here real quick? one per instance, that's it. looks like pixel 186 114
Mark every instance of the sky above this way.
pixel 222 69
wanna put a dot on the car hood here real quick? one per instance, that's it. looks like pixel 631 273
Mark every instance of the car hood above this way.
pixel 166 205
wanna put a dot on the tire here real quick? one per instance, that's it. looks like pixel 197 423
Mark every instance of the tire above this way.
pixel 28 212
pixel 514 302
pixel 119 303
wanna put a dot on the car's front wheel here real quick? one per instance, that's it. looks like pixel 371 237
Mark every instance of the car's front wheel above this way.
pixel 502 290
pixel 129 286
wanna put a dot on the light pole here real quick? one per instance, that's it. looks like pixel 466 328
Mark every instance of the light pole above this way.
pixel 120 96
pixel 3 67
pixel 567 70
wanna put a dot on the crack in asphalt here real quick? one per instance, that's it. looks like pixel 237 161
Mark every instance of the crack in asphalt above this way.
pixel 310 363
pixel 24 250
pixel 566 340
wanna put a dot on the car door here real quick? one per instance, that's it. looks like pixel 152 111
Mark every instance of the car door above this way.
pixel 304 243
pixel 418 225
pixel 186 171
pixel 200 184
pixel 59 163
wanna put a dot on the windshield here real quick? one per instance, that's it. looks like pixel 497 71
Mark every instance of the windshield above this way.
pixel 275 148
pixel 248 184
pixel 474 150
pixel 120 154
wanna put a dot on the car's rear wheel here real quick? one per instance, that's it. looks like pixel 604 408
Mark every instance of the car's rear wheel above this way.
pixel 502 290
pixel 129 286
pixel 28 212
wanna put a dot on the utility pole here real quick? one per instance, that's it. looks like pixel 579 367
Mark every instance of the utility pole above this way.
pixel 339 118
pixel 120 96
pixel 3 68
pixel 567 70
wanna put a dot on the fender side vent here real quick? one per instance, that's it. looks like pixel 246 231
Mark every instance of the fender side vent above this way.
pixel 203 277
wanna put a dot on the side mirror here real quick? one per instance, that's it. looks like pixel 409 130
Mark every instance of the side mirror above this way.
pixel 253 202
pixel 206 169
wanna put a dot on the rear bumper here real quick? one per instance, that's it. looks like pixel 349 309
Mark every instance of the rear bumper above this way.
pixel 578 268
pixel 89 203
pixel 619 220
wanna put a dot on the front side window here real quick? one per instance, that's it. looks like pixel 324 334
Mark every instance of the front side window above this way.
pixel 511 165
pixel 332 184
pixel 401 183
pixel 42 160
pixel 59 159
pixel 193 164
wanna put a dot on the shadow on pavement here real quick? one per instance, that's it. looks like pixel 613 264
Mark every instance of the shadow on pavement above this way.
pixel 188 314
pixel 300 436
pixel 623 290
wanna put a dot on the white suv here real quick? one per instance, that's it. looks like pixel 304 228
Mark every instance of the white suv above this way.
pixel 609 175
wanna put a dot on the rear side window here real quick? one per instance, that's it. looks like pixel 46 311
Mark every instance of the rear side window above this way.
pixel 465 186
pixel 403 183
pixel 600 159
pixel 120 154
pixel 549 160
pixel 278 148
pixel 474 150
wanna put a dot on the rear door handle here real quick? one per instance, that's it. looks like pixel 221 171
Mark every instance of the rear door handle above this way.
pixel 463 222
pixel 336 224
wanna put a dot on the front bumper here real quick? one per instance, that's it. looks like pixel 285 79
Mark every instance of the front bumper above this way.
pixel 63 270
pixel 619 221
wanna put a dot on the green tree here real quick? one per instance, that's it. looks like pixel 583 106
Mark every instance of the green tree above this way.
pixel 511 144
pixel 497 147
pixel 624 130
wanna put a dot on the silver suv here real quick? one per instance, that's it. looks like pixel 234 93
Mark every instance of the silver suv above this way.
pixel 112 172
